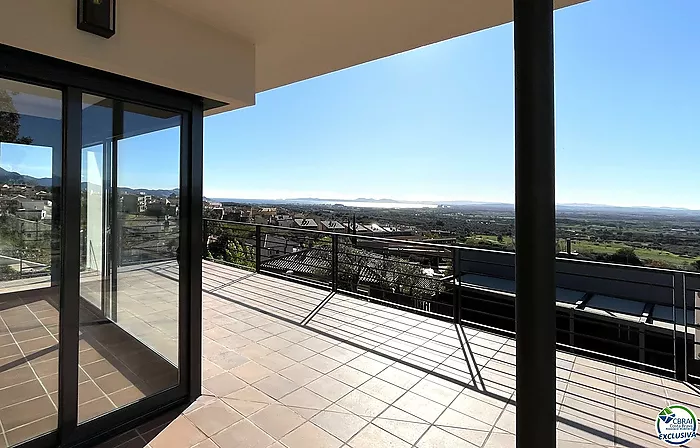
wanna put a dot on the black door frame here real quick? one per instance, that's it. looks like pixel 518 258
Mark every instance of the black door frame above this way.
pixel 74 80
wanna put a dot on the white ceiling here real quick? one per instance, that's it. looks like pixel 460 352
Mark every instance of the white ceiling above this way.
pixel 300 39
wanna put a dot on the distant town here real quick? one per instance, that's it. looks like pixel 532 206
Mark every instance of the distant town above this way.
pixel 148 225
pixel 656 237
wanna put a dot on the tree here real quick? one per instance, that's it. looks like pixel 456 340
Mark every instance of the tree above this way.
pixel 624 255
pixel 696 265
pixel 10 120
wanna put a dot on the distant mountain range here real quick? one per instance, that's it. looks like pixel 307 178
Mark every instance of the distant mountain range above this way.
pixel 571 207
pixel 11 177
pixel 127 190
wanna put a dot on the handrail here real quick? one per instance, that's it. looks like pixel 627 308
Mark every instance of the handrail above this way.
pixel 449 246
pixel 327 233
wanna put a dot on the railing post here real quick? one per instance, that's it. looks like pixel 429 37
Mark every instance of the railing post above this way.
pixel 681 368
pixel 205 237
pixel 456 288
pixel 257 248
pixel 334 261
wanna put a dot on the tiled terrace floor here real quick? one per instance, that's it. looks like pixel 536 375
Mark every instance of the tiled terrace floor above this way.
pixel 362 375
pixel 114 369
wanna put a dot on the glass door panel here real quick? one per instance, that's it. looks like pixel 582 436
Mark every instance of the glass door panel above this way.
pixel 30 197
pixel 130 237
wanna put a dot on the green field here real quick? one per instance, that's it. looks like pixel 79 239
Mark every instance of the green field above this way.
pixel 610 247
pixel 506 242
pixel 592 247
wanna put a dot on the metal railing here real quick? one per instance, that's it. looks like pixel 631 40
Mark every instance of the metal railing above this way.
pixel 407 275
pixel 429 279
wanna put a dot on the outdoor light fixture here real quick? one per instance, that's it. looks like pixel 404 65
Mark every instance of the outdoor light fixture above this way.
pixel 97 17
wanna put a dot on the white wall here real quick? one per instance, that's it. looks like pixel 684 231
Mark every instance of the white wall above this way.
pixel 153 43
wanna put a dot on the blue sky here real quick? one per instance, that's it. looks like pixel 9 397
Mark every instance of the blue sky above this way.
pixel 437 122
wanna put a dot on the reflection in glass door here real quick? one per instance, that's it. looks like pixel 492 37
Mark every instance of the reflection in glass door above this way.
pixel 129 242
pixel 30 198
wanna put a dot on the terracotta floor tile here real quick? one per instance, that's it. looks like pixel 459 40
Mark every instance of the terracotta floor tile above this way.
pixel 341 425
pixel 297 352
pixel 275 343
pixel 329 388
pixel 276 386
pixel 26 335
pixel 21 392
pixel 477 406
pixel 304 398
pixel 229 360
pixel 309 435
pixel 214 417
pixel 113 382
pixel 251 372
pixel 19 374
pixel 25 412
pixel 349 376
pixel 250 393
pixel 362 404
pixel 126 396
pixel 32 430
pixel 382 390
pixel 254 351
pixel 243 435
pixel 180 433
pixel 35 345
pixel 223 384
pixel 394 413
pixel 321 363
pixel 245 408
pixel 99 368
pixel 435 392
pixel 276 420
pixel 406 431
pixel 438 438
pixel 500 440
pixel 367 365
pixel 398 377
pixel 473 436
pixel 420 407
pixel 275 362
pixel 341 354
pixel 458 420
pixel 88 391
pixel 316 344
pixel 92 409
pixel 300 374
pixel 372 436
pixel 208 443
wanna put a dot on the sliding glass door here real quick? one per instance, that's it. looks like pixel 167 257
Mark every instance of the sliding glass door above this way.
pixel 100 257
pixel 130 238
pixel 30 197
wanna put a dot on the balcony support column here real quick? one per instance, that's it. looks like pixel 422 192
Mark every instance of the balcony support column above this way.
pixel 535 224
